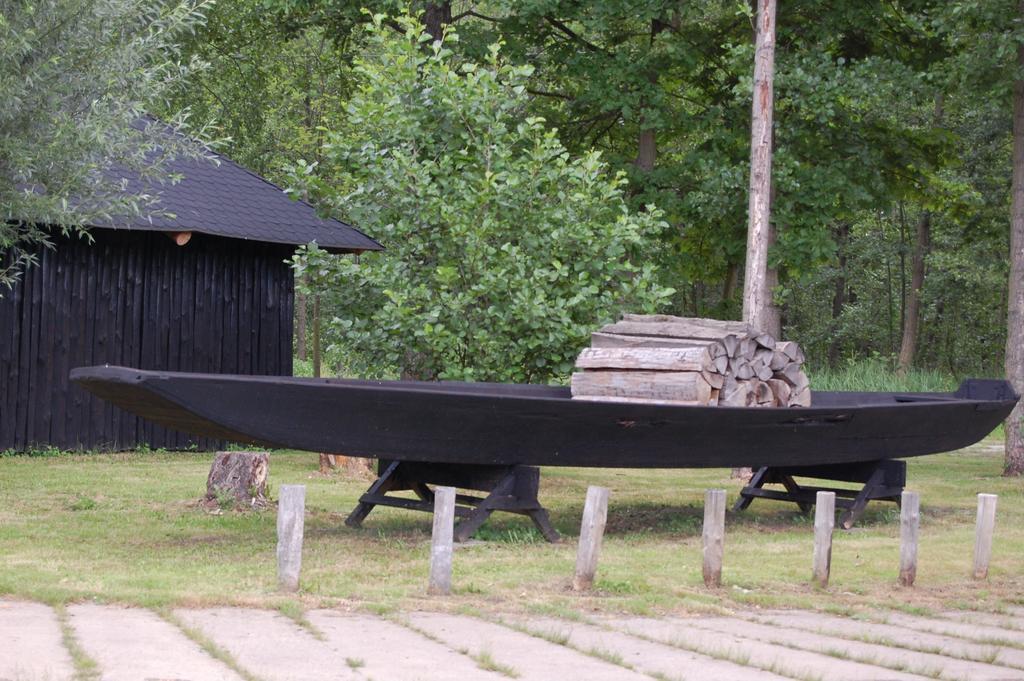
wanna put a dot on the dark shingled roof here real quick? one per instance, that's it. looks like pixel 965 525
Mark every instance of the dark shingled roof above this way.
pixel 227 200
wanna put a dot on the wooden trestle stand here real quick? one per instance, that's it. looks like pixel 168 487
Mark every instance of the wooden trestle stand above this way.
pixel 512 489
pixel 883 480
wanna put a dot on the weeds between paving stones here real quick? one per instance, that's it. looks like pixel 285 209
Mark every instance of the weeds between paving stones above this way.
pixel 731 654
pixel 482 659
pixel 608 656
pixel 851 656
pixel 564 639
pixel 486 661
pixel 739 657
pixel 297 614
pixel 661 676
pixel 86 668
pixel 987 656
pixel 559 638
pixel 208 646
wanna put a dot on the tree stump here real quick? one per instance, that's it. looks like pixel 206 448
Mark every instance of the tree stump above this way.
pixel 744 473
pixel 240 477
pixel 358 467
pixel 328 462
pixel 350 466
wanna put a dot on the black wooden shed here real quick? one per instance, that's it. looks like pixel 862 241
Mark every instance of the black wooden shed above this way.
pixel 203 289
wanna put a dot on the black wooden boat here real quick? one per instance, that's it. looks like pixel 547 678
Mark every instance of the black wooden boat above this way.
pixel 537 425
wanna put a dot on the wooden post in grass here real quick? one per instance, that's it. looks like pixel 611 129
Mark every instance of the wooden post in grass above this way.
pixel 910 521
pixel 595 515
pixel 824 522
pixel 441 547
pixel 985 526
pixel 291 511
pixel 713 536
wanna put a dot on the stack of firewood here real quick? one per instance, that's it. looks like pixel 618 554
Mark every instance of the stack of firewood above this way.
pixel 681 360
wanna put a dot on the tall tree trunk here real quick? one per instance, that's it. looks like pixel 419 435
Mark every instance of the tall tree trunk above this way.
pixel 732 275
pixel 890 326
pixel 301 316
pixel 757 291
pixel 903 266
pixel 1014 461
pixel 647 150
pixel 922 243
pixel 437 15
pixel 771 320
pixel 758 281
pixel 647 142
pixel 316 335
pixel 912 307
pixel 842 234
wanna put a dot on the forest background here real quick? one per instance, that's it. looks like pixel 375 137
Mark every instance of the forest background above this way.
pixel 891 194
pixel 534 168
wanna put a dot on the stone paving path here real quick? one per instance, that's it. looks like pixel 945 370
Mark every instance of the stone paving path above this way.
pixel 241 644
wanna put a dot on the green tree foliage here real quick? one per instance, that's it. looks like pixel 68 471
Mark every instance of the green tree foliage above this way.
pixel 862 149
pixel 963 323
pixel 279 73
pixel 608 71
pixel 76 77
pixel 504 250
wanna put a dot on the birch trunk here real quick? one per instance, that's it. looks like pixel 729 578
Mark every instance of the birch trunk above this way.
pixel 1014 461
pixel 756 290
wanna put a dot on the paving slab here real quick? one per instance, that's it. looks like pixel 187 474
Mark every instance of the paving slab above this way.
pixel 392 652
pixel 992 619
pixel 532 658
pixel 132 644
pixel 979 633
pixel 833 641
pixel 900 637
pixel 767 655
pixel 270 645
pixel 31 645
pixel 651 658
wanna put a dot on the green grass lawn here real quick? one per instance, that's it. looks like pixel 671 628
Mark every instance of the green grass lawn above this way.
pixel 126 528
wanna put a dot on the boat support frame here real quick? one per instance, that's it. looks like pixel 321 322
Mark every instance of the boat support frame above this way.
pixel 882 480
pixel 512 489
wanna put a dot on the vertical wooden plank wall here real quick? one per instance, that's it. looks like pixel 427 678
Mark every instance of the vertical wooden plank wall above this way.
pixel 135 299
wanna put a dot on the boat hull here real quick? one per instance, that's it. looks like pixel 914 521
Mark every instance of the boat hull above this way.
pixel 498 424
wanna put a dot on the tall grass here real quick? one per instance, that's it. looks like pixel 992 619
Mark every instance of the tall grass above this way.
pixel 876 375
pixel 302 367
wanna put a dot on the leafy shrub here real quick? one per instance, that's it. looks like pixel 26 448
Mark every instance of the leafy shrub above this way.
pixel 503 251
